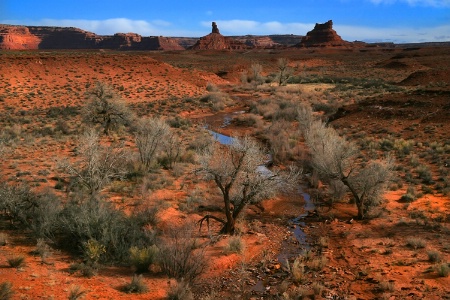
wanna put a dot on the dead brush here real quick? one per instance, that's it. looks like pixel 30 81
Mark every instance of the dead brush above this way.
pixel 297 269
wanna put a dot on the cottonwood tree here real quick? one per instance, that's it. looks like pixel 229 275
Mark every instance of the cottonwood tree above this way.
pixel 97 164
pixel 237 171
pixel 151 134
pixel 335 158
pixel 106 108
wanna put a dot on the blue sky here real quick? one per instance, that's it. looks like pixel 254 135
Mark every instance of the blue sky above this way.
pixel 368 20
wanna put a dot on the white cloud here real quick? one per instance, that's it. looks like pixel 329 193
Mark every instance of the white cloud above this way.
pixel 396 35
pixel 432 3
pixel 111 26
pixel 243 27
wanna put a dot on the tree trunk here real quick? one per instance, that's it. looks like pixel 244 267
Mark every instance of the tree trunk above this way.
pixel 358 200
pixel 360 207
pixel 228 228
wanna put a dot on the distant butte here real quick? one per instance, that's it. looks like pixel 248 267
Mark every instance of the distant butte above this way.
pixel 216 41
pixel 322 35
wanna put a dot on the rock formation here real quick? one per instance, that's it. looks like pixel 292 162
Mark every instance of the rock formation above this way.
pixel 321 36
pixel 17 38
pixel 216 41
pixel 45 37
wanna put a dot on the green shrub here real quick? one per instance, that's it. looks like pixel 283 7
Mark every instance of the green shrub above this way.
pixel 100 221
pixel 93 251
pixel 410 195
pixel 443 270
pixel 136 286
pixel 434 256
pixel 424 173
pixel 142 258
pixel 6 291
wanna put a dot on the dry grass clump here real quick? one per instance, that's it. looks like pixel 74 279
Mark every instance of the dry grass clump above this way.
pixel 76 292
pixel 6 291
pixel 415 243
pixel 434 256
pixel 235 245
pixel 136 286
pixel 443 270
pixel 16 261
pixel 180 291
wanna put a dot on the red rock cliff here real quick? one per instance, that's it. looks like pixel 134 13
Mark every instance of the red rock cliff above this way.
pixel 46 37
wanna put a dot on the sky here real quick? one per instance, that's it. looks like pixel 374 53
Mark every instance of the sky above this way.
pixel 398 21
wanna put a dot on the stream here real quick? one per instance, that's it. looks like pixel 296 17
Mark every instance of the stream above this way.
pixel 296 225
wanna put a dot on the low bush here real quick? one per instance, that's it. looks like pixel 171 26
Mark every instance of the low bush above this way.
pixel 179 256
pixel 83 269
pixel 142 258
pixel 235 245
pixel 443 270
pixel 136 286
pixel 410 195
pixel 434 256
pixel 415 243
pixel 100 221
pixel 180 291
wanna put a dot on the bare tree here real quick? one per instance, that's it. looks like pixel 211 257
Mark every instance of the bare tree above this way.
pixel 105 107
pixel 238 172
pixel 256 76
pixel 284 71
pixel 97 164
pixel 335 158
pixel 151 134
pixel 172 148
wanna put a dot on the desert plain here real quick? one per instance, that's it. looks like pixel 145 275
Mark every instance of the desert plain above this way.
pixel 388 101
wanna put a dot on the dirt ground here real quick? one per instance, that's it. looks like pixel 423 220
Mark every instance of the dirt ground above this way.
pixel 387 97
